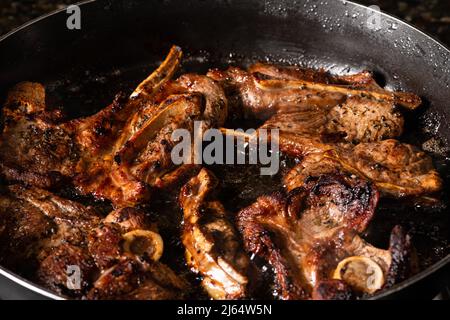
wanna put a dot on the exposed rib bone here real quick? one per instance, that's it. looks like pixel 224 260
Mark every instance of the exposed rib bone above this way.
pixel 164 72
pixel 404 99
pixel 183 104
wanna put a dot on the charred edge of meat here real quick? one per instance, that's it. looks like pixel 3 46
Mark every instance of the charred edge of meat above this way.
pixel 356 196
pixel 308 216
pixel 25 98
pixel 404 259
pixel 258 240
pixel 133 279
pixel 213 248
pixel 398 170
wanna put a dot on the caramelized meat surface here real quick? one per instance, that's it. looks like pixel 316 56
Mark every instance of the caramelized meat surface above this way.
pixel 32 148
pixel 305 235
pixel 349 120
pixel 265 90
pixel 213 247
pixel 337 132
pixel 43 236
pixel 397 169
pixel 121 152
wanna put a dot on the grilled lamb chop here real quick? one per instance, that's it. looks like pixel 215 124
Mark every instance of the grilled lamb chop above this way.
pixel 266 90
pixel 249 101
pixel 312 236
pixel 126 250
pixel 397 169
pixel 39 150
pixel 213 247
pixel 346 118
pixel 43 235
pixel 121 152
pixel 131 279
pixel 357 119
pixel 32 148
pixel 143 150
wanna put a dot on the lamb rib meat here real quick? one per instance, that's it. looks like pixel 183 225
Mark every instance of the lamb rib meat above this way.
pixel 311 236
pixel 126 249
pixel 266 90
pixel 122 152
pixel 396 168
pixel 33 148
pixel 43 235
pixel 349 119
pixel 35 224
pixel 213 247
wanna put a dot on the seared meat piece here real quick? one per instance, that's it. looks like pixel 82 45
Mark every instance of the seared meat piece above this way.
pixel 311 236
pixel 131 279
pixel 37 149
pixel 266 90
pixel 140 156
pixel 107 242
pixel 324 110
pixel 42 236
pixel 57 263
pixel 216 104
pixel 213 248
pixel 397 169
pixel 272 71
pixel 147 154
pixel 363 79
pixel 332 290
pixel 406 100
pixel 127 249
pixel 249 101
pixel 121 152
pixel 32 147
pixel 357 119
pixel 404 261
pixel 22 228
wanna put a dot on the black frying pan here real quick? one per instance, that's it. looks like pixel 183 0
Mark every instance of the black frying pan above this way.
pixel 120 42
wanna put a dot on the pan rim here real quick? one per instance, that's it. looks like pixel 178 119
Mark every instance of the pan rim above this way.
pixel 42 17
pixel 29 284
pixel 444 262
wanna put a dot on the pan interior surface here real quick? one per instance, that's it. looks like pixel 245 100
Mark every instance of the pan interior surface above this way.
pixel 120 42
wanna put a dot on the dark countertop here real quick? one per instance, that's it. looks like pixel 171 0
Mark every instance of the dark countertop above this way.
pixel 432 16
pixel 15 13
